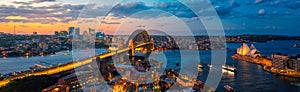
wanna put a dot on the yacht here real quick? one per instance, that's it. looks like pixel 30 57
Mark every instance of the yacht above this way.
pixel 228 88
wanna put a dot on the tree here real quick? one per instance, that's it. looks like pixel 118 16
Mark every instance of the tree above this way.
pixel 29 84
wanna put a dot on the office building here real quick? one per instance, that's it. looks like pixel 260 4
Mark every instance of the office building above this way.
pixel 56 33
pixel 71 31
pixel 77 31
pixel 91 31
pixel 35 33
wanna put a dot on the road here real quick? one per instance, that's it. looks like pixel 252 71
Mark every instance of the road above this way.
pixel 70 66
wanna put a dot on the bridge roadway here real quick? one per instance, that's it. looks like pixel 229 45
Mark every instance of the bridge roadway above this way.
pixel 70 66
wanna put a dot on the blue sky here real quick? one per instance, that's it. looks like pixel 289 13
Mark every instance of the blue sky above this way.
pixel 279 17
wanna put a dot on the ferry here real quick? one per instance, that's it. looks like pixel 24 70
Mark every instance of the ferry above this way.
pixel 225 67
pixel 38 67
pixel 228 88
pixel 229 68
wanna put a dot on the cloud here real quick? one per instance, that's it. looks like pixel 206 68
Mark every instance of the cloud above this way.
pixel 258 1
pixel 141 26
pixel 92 11
pixel 290 4
pixel 263 8
pixel 45 14
pixel 68 12
pixel 23 26
pixel 105 22
pixel 21 3
pixel 225 9
pixel 175 8
pixel 293 5
pixel 128 9
pixel 40 1
pixel 31 2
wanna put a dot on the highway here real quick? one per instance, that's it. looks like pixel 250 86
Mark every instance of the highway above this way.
pixel 70 66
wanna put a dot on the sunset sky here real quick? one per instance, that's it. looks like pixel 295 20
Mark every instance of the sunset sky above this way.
pixel 279 17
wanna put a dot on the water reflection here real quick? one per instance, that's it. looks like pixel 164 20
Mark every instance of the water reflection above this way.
pixel 11 64
pixel 290 79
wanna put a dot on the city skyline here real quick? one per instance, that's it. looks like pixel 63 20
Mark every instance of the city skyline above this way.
pixel 149 45
pixel 237 17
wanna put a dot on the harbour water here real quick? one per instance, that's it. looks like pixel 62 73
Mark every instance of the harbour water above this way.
pixel 12 64
pixel 249 77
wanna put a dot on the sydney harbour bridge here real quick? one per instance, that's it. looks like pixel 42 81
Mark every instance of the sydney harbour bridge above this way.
pixel 138 42
pixel 140 38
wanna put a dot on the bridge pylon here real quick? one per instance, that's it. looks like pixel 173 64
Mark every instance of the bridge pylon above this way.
pixel 131 45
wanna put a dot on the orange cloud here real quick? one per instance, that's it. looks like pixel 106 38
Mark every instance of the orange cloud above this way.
pixel 16 17
pixel 28 28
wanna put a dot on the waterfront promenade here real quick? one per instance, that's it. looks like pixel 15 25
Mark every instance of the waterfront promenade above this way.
pixel 267 66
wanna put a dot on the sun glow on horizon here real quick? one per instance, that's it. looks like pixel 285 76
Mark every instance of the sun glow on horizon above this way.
pixel 16 18
pixel 28 28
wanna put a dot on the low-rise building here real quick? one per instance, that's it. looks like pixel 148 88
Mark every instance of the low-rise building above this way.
pixel 294 64
pixel 279 61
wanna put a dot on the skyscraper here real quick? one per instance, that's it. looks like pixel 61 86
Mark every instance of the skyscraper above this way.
pixel 100 35
pixel 34 33
pixel 77 31
pixel 71 31
pixel 56 33
pixel 91 31
pixel 63 34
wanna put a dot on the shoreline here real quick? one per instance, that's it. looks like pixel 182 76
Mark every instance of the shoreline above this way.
pixel 285 72
pixel 32 54
pixel 266 67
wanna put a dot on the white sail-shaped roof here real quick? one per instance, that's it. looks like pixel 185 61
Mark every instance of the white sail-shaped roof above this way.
pixel 253 51
pixel 240 50
pixel 243 50
pixel 246 49
pixel 252 47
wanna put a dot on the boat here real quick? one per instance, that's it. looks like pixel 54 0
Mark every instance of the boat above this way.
pixel 38 66
pixel 229 68
pixel 209 66
pixel 228 88
pixel 295 45
pixel 67 53
pixel 295 84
